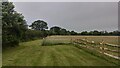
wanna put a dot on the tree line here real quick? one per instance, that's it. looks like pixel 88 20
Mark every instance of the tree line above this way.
pixel 15 28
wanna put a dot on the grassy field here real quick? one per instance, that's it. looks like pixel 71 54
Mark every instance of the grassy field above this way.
pixel 106 39
pixel 33 54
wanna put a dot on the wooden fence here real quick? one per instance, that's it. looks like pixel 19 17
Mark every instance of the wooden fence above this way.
pixel 101 47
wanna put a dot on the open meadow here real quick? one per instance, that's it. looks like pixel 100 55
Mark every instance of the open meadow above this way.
pixel 59 33
pixel 107 39
pixel 58 51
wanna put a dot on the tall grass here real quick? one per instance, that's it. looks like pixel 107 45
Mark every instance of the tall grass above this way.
pixel 55 41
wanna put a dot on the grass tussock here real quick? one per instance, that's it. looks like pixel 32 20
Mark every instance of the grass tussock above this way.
pixel 55 41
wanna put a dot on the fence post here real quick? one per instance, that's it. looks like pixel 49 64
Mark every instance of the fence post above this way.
pixel 103 47
pixel 71 40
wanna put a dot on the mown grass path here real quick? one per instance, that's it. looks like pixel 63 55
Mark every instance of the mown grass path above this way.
pixel 33 54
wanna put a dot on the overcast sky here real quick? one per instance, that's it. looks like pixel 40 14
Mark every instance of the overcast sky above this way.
pixel 77 16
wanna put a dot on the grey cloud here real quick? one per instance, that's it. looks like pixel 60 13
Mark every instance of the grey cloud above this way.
pixel 76 16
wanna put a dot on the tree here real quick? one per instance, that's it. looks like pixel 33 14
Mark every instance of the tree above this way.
pixel 116 33
pixel 32 34
pixel 95 32
pixel 84 33
pixel 13 24
pixel 73 33
pixel 55 30
pixel 63 31
pixel 39 25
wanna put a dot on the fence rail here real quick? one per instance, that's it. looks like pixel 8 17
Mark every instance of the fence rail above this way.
pixel 101 47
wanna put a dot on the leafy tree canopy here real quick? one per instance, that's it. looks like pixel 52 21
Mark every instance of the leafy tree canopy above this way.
pixel 39 25
pixel 13 24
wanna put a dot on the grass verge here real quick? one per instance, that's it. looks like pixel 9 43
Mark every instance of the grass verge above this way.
pixel 97 54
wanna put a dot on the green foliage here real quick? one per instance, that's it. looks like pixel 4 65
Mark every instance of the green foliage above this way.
pixel 38 31
pixel 55 30
pixel 95 32
pixel 84 33
pixel 73 33
pixel 63 32
pixel 39 25
pixel 33 34
pixel 13 25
